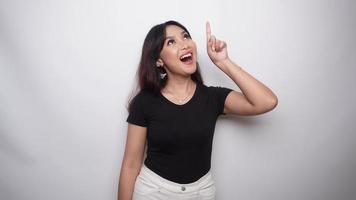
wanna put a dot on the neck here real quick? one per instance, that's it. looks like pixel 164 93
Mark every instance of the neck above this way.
pixel 179 86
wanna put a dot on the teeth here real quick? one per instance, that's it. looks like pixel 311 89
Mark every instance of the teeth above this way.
pixel 186 55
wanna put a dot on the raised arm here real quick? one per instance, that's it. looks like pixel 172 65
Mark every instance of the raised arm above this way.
pixel 132 161
pixel 256 98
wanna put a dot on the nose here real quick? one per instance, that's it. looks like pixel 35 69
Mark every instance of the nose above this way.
pixel 184 46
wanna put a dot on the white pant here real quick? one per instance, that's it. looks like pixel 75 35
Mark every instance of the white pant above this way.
pixel 151 186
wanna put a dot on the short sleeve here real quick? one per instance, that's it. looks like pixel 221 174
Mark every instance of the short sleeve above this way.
pixel 136 112
pixel 220 94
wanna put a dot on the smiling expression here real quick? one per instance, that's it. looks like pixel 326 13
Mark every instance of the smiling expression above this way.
pixel 179 52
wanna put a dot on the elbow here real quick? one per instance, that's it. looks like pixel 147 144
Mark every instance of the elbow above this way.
pixel 272 103
pixel 266 106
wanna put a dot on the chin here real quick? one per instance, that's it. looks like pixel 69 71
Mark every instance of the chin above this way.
pixel 189 69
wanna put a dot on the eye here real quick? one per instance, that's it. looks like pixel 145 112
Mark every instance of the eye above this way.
pixel 186 35
pixel 171 41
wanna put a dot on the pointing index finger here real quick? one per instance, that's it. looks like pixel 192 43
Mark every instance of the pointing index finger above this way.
pixel 208 30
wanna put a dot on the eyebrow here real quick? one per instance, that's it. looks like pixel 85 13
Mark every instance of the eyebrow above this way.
pixel 170 37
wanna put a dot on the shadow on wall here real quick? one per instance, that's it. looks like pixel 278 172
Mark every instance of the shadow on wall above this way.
pixel 245 120
pixel 254 124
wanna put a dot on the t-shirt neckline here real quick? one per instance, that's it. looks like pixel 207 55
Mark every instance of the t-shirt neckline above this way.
pixel 181 105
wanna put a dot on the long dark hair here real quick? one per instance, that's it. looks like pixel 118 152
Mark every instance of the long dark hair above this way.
pixel 148 75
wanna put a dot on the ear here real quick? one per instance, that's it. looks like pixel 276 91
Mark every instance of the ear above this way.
pixel 159 63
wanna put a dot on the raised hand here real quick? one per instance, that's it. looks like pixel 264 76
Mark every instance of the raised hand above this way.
pixel 217 49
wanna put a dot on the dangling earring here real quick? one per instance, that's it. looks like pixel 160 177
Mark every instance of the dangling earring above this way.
pixel 163 75
pixel 162 72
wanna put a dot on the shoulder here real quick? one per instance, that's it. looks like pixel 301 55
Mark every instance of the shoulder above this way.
pixel 143 97
pixel 144 94
pixel 216 90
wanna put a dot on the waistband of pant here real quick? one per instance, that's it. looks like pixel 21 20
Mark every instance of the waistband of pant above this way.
pixel 173 186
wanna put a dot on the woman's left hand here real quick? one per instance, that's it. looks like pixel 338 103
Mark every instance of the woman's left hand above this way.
pixel 217 49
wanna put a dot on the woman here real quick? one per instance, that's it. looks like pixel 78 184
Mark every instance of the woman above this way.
pixel 176 114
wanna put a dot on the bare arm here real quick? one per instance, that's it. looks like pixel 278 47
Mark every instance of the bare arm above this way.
pixel 256 98
pixel 132 161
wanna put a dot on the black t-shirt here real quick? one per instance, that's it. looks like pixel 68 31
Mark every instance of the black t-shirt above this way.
pixel 179 137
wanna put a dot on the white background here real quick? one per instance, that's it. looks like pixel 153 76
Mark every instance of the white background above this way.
pixel 67 69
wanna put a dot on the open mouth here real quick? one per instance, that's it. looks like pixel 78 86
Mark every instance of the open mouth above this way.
pixel 187 58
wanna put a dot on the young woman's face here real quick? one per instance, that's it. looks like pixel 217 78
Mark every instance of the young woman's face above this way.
pixel 179 53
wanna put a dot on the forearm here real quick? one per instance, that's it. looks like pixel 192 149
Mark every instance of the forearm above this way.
pixel 255 92
pixel 127 182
